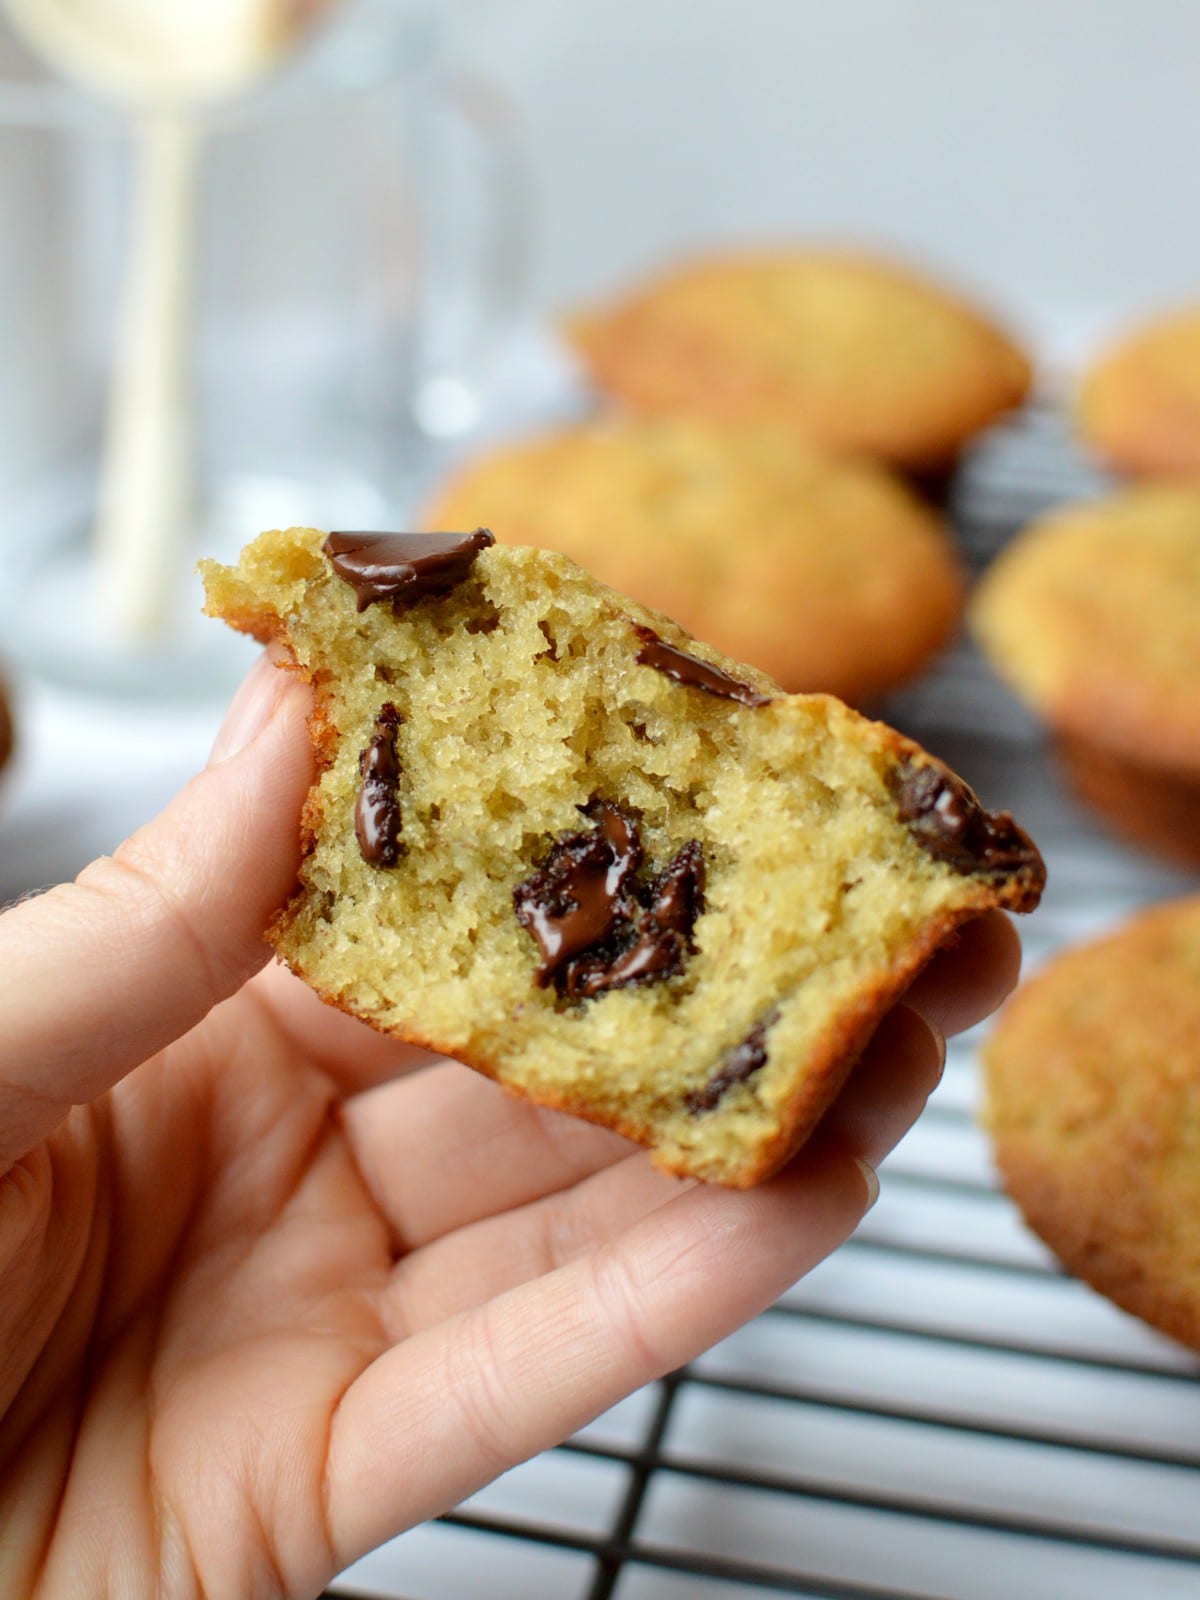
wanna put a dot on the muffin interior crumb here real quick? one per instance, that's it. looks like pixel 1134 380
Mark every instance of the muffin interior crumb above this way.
pixel 817 899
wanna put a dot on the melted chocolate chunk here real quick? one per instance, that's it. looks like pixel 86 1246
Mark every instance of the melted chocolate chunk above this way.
pixel 737 1066
pixel 692 672
pixel 596 926
pixel 946 819
pixel 377 810
pixel 662 925
pixel 403 567
pixel 574 901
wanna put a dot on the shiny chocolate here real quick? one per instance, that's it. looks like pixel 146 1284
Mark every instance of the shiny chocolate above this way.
pixel 693 673
pixel 377 809
pixel 948 822
pixel 403 567
pixel 574 901
pixel 595 924
pixel 737 1066
pixel 662 925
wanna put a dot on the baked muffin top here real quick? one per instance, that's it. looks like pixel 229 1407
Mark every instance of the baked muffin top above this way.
pixel 1091 615
pixel 1139 406
pixel 852 352
pixel 831 575
pixel 1093 1097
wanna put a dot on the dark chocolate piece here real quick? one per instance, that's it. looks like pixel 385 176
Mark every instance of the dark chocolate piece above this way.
pixel 574 901
pixel 737 1066
pixel 377 809
pixel 663 926
pixel 946 819
pixel 596 926
pixel 676 897
pixel 692 672
pixel 403 567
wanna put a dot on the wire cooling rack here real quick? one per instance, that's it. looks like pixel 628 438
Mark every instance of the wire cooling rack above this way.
pixel 937 1411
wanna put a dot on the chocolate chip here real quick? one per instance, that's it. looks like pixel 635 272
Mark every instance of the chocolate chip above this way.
pixel 599 928
pixel 377 809
pixel 403 567
pixel 692 672
pixel 946 819
pixel 662 925
pixel 573 902
pixel 737 1066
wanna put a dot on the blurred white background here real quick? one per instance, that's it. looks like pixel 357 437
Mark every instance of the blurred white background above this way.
pixel 1040 149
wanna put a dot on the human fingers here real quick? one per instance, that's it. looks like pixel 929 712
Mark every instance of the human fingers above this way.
pixel 473 1396
pixel 469 1151
pixel 103 973
pixel 475 1263
pixel 472 1152
pixel 967 979
pixel 884 1096
pixel 888 1086
pixel 349 1051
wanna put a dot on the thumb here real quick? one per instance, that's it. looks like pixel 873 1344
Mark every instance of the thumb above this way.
pixel 102 973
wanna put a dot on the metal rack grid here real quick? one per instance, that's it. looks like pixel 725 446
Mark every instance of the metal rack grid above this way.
pixel 937 1411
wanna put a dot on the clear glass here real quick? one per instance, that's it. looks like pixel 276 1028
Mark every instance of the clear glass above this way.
pixel 345 300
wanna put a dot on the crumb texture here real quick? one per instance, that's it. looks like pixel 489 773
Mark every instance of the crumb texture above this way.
pixel 1093 1096
pixel 831 575
pixel 742 868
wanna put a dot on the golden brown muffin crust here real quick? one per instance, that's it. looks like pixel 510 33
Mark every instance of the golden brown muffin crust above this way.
pixel 831 576
pixel 1139 406
pixel 1093 1101
pixel 843 349
pixel 1090 615
pixel 1156 809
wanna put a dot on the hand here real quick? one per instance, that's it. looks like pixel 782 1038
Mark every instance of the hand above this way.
pixel 274 1287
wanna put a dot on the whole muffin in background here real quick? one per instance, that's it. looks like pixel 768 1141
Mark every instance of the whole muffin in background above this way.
pixel 1139 406
pixel 829 575
pixel 1093 1103
pixel 853 353
pixel 1091 616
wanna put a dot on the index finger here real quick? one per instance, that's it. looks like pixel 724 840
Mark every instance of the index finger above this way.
pixel 969 977
pixel 103 973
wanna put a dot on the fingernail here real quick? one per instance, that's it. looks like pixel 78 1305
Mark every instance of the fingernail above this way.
pixel 939 1038
pixel 935 1033
pixel 250 709
pixel 871 1179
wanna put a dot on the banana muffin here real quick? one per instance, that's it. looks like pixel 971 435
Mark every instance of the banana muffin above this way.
pixel 1139 406
pixel 1093 1103
pixel 830 575
pixel 556 837
pixel 1090 615
pixel 841 349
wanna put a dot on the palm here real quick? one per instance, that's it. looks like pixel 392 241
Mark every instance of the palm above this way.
pixel 259 1251
pixel 244 1262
